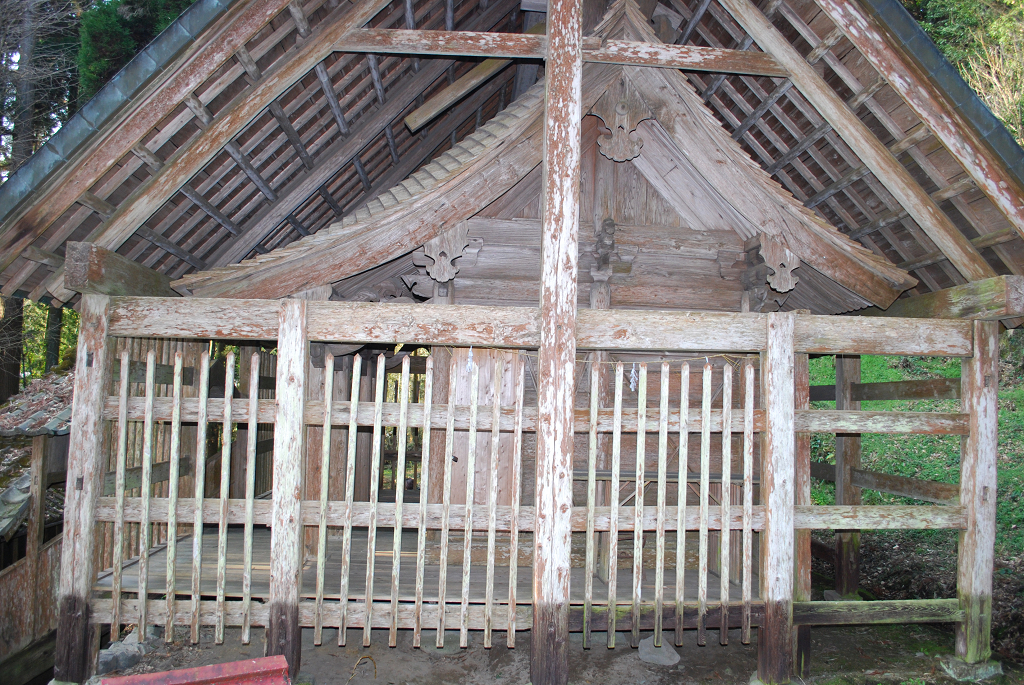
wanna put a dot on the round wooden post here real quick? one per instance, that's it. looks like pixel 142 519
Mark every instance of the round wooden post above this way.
pixel 72 661
pixel 284 636
pixel 978 456
pixel 556 361
pixel 775 636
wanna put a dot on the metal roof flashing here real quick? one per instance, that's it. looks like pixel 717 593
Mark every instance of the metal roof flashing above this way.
pixel 916 45
pixel 115 94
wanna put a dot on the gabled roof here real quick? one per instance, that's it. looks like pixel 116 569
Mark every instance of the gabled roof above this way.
pixel 217 175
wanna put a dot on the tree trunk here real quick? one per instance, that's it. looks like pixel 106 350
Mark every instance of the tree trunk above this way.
pixel 25 103
pixel 10 347
pixel 54 326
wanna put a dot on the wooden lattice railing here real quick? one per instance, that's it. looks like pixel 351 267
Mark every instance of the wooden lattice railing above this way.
pixel 750 386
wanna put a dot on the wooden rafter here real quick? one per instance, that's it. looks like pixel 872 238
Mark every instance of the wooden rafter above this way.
pixel 873 153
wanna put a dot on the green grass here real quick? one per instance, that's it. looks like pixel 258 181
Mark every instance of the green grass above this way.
pixel 932 457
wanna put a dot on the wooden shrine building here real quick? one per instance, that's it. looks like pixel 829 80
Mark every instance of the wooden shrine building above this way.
pixel 483 316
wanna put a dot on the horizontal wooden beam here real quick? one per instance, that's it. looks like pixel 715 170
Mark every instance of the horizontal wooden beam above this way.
pixel 930 389
pixel 133 476
pixel 894 422
pixel 106 510
pixel 877 517
pixel 916 488
pixel 900 611
pixel 611 329
pixel 89 268
pixel 989 299
pixel 528 46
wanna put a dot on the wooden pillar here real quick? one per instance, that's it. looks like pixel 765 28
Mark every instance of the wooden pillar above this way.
pixel 980 383
pixel 364 436
pixel 775 636
pixel 72 661
pixel 847 459
pixel 35 524
pixel 284 636
pixel 802 488
pixel 549 658
pixel 442 359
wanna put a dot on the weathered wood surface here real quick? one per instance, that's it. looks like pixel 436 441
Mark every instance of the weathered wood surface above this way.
pixel 945 120
pixel 197 318
pixel 989 299
pixel 872 152
pixel 528 46
pixel 89 268
pixel 848 455
pixel 916 488
pixel 847 613
pixel 283 632
pixel 802 538
pixel 84 482
pixel 775 637
pixel 556 356
pixel 978 459
pixel 163 375
pixel 157 100
pixel 929 389
pixel 880 517
pixel 854 421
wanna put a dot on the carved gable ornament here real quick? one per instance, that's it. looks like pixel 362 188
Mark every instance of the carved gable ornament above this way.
pixel 439 254
pixel 621 109
pixel 781 260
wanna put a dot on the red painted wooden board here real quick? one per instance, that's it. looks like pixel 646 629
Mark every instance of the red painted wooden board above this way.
pixel 270 670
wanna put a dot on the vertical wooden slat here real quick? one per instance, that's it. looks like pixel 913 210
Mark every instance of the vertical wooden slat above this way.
pixel 421 532
pixel 848 453
pixel 638 502
pixel 146 491
pixel 659 564
pixel 250 493
pixel 613 519
pixel 350 484
pixel 225 484
pixel 802 494
pixel 748 495
pixel 325 481
pixel 705 482
pixel 588 573
pixel 467 533
pixel 72 660
pixel 396 547
pixel 283 633
pixel 979 455
pixel 200 491
pixel 371 531
pixel 119 478
pixel 556 357
pixel 723 543
pixel 492 497
pixel 681 490
pixel 516 485
pixel 775 636
pixel 446 501
pixel 172 497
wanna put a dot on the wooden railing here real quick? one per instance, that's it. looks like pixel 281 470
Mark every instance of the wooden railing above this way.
pixel 756 359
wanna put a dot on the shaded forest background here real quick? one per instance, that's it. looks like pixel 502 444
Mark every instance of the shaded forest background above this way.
pixel 56 54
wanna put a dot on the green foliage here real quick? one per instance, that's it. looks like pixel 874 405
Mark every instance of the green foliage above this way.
pixel 34 339
pixel 952 24
pixel 112 32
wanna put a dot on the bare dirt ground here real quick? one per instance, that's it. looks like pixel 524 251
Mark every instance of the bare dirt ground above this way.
pixel 897 655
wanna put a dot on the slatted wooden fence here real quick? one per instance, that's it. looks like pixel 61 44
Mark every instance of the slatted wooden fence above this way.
pixel 729 443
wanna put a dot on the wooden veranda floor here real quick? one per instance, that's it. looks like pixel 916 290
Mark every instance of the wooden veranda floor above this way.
pixel 382 573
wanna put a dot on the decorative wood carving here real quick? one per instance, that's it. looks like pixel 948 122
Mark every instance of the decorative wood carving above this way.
pixel 764 299
pixel 782 262
pixel 439 255
pixel 621 109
